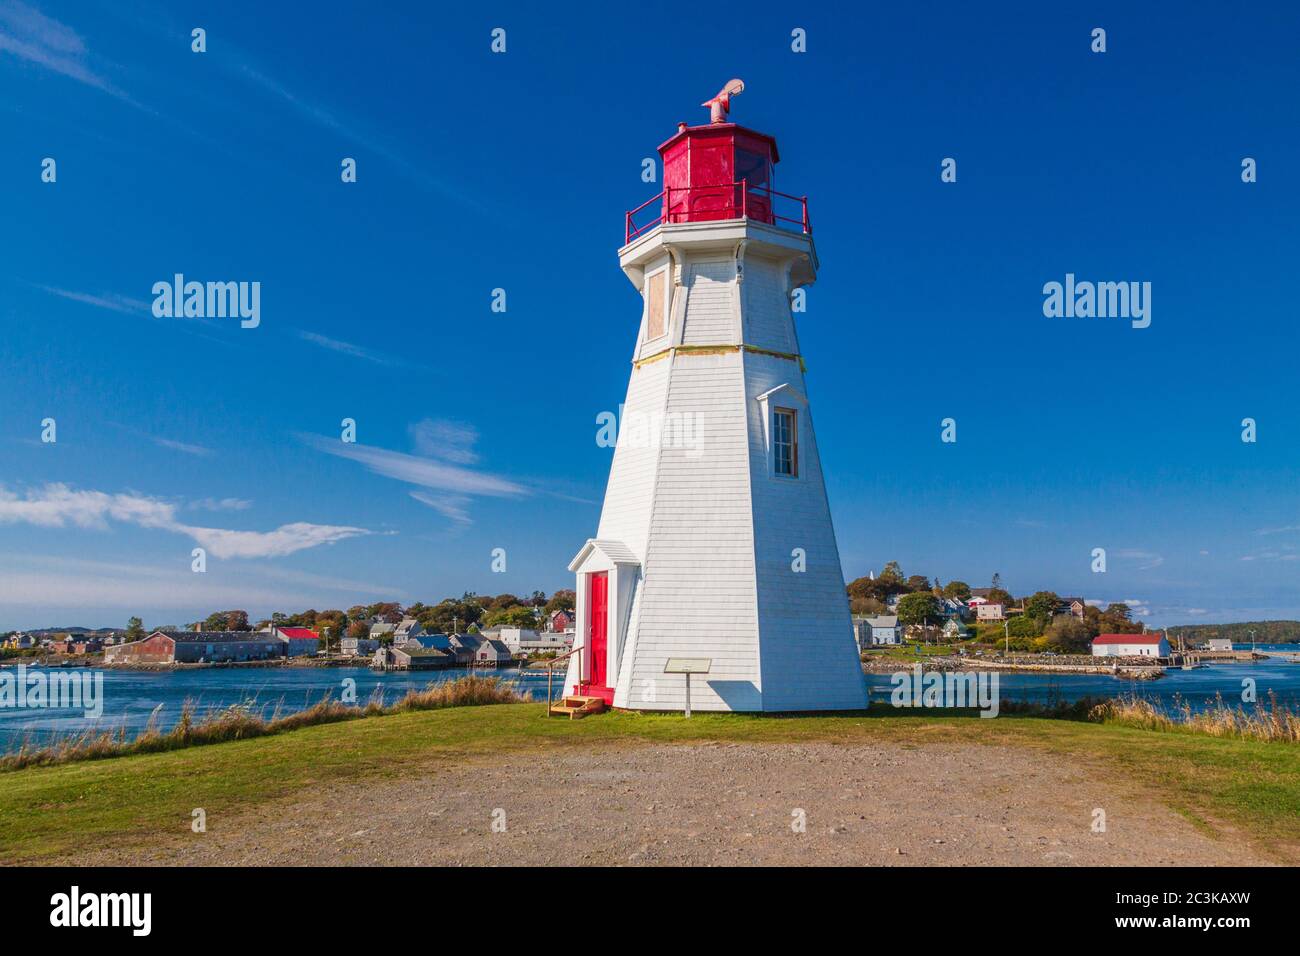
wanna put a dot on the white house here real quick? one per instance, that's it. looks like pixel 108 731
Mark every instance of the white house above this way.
pixel 357 646
pixel 885 629
pixel 407 629
pixel 523 640
pixel 1130 645
pixel 1219 644
pixel 715 539
pixel 988 612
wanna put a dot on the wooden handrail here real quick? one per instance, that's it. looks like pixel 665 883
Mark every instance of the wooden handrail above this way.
pixel 550 674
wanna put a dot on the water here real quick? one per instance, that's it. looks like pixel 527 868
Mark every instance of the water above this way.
pixel 1197 687
pixel 131 696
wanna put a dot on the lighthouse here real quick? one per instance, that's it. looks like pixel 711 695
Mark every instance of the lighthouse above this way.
pixel 715 551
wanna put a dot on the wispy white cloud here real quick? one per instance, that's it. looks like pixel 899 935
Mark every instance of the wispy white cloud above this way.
pixel 1146 559
pixel 31 36
pixel 445 449
pixel 59 506
pixel 451 441
pixel 348 128
pixel 450 506
pixel 220 504
pixel 162 442
pixel 55 585
pixel 347 348
pixel 415 470
pixel 106 300
pixel 1282 530
pixel 182 446
pixel 1281 554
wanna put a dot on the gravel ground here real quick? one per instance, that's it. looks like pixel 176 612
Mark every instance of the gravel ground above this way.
pixel 719 804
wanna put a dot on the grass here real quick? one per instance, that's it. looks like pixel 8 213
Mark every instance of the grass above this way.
pixel 1269 721
pixel 141 800
pixel 243 721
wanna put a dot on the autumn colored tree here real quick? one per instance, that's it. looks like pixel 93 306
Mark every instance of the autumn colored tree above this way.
pixel 565 599
pixel 957 591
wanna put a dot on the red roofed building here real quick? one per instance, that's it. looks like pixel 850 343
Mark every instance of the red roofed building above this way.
pixel 1130 645
pixel 298 641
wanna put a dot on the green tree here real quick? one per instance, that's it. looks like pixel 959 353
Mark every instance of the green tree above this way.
pixel 957 591
pixel 918 607
pixel 892 571
pixel 1023 625
pixel 1067 635
pixel 134 629
pixel 227 621
pixel 999 596
pixel 517 616
pixel 1042 606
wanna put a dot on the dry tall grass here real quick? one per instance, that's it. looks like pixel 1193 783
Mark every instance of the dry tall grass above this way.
pixel 1265 721
pixel 241 721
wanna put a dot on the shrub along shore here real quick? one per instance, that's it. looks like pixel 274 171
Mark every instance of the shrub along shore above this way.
pixel 242 721
pixel 1269 721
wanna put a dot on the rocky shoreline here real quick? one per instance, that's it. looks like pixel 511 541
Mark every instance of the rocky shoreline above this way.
pixel 1130 671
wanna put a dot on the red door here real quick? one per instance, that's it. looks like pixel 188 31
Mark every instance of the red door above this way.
pixel 597 614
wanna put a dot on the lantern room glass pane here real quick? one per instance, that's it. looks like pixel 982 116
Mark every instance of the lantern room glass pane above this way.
pixel 751 167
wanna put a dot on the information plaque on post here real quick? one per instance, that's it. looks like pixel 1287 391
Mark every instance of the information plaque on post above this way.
pixel 688 666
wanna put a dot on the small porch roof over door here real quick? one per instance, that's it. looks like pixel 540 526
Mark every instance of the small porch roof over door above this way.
pixel 597 555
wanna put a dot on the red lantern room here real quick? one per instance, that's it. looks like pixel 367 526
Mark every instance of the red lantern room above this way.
pixel 717 172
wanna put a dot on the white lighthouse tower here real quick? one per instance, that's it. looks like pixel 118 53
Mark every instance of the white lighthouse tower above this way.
pixel 715 541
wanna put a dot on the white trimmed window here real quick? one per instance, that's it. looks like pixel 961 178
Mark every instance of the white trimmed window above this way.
pixel 785 442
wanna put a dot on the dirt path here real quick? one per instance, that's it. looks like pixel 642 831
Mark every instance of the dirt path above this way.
pixel 719 804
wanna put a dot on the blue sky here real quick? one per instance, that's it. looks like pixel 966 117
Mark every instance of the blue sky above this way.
pixel 476 430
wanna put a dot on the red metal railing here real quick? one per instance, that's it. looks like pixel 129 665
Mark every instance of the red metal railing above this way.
pixel 725 201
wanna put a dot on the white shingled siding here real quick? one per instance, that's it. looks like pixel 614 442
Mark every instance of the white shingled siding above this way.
pixel 810 657
pixel 698 598
pixel 767 316
pixel 628 497
pixel 710 312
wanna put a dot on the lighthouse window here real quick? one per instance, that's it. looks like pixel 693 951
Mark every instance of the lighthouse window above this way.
pixel 785 442
pixel 751 168
pixel 654 298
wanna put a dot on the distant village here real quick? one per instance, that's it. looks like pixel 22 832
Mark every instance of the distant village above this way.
pixel 385 636
pixel 888 611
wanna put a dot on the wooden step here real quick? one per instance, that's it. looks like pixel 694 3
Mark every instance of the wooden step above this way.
pixel 577 707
